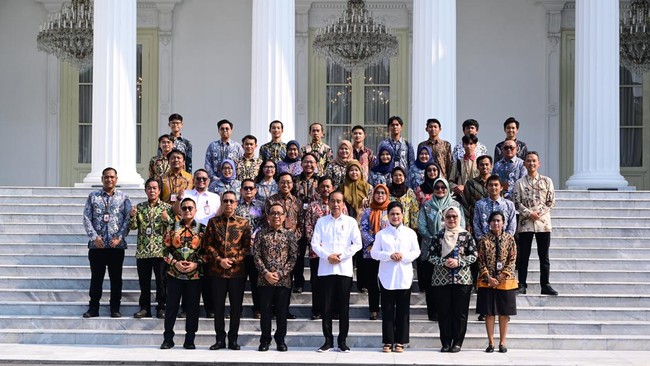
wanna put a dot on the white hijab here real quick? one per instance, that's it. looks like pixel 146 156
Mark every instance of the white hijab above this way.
pixel 451 233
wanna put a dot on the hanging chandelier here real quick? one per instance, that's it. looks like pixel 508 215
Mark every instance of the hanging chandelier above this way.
pixel 356 40
pixel 635 37
pixel 68 34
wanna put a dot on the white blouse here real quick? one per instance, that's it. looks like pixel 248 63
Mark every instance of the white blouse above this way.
pixel 396 275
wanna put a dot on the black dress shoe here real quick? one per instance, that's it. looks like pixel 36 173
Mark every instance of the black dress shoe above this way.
pixel 182 315
pixel 282 347
pixel 160 314
pixel 455 349
pixel 481 317
pixel 142 314
pixel 344 348
pixel 234 346
pixel 548 290
pixel 189 346
pixel 167 345
pixel 297 290
pixel 521 290
pixel 316 317
pixel 115 314
pixel 218 345
pixel 91 313
pixel 291 316
pixel 373 315
pixel 263 347
pixel 325 347
pixel 209 315
pixel 445 349
pixel 489 349
pixel 502 349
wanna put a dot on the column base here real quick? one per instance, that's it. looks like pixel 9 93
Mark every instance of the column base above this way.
pixel 595 180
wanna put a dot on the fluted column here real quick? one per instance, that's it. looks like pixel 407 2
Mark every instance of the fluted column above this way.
pixel 434 68
pixel 114 92
pixel 596 127
pixel 273 67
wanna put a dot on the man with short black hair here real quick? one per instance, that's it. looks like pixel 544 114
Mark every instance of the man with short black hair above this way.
pixel 464 169
pixel 248 165
pixel 321 150
pixel 475 188
pixel 180 143
pixel 221 149
pixel 361 153
pixel 511 128
pixel 275 149
pixel 176 180
pixel 440 148
pixel 510 168
pixel 403 154
pixel 470 127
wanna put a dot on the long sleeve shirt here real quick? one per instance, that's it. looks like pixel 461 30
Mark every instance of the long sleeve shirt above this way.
pixel 158 167
pixel 487 260
pixel 522 149
pixel 367 233
pixel 152 227
pixel 207 204
pixel 275 151
pixel 336 235
pixel 403 154
pixel 315 211
pixel 396 275
pixel 275 251
pixel 534 194
pixel 441 150
pixel 509 171
pixel 183 243
pixel 184 145
pixel 174 183
pixel 217 151
pixel 247 168
pixel 485 207
pixel 107 216
pixel 227 238
pixel 465 252
pixel 322 151
pixel 459 151
pixel 293 212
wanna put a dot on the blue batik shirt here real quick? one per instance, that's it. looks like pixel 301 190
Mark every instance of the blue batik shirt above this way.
pixel 107 216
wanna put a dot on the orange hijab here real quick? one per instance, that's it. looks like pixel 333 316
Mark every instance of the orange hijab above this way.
pixel 376 209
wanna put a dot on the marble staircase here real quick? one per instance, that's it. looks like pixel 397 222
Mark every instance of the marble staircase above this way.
pixel 600 264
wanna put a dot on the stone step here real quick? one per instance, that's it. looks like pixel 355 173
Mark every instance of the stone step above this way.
pixel 63 218
pixel 586 221
pixel 60 191
pixel 49 199
pixel 602 231
pixel 12 238
pixel 632 203
pixel 599 212
pixel 561 195
pixel 42 208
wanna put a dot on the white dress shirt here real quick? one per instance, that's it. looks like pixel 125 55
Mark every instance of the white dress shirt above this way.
pixel 336 235
pixel 207 204
pixel 396 275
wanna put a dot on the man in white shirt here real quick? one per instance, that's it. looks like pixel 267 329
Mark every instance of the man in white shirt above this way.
pixel 335 240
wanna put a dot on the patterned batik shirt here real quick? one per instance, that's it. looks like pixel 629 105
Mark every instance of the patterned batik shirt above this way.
pixel 485 207
pixel 487 260
pixel 337 173
pixel 173 183
pixel 158 167
pixel 275 151
pixel 184 145
pixel 306 189
pixel 107 216
pixel 465 252
pixel 152 228
pixel 292 212
pixel 294 168
pixel 266 190
pixel 522 150
pixel 411 208
pixel 219 187
pixel 509 171
pixel 441 150
pixel 252 212
pixel 217 151
pixel 365 157
pixel 183 243
pixel 322 151
pixel 459 151
pixel 380 178
pixel 534 194
pixel 415 177
pixel 403 154
pixel 275 251
pixel 367 233
pixel 227 238
pixel 247 168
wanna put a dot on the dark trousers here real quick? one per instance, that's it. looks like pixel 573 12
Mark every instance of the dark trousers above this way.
pixel 523 255
pixel 145 267
pixel 273 297
pixel 425 274
pixel 100 259
pixel 395 308
pixel 453 307
pixel 316 297
pixel 234 287
pixel 367 270
pixel 298 271
pixel 252 273
pixel 355 262
pixel 335 290
pixel 190 291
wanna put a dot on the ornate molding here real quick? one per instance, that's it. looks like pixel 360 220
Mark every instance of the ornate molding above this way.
pixel 395 14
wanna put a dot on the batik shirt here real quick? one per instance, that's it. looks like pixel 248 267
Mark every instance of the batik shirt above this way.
pixel 411 208
pixel 403 154
pixel 315 211
pixel 294 168
pixel 459 151
pixel 275 251
pixel 534 194
pixel 509 171
pixel 441 150
pixel 465 252
pixel 322 151
pixel 367 233
pixel 482 212
pixel 158 167
pixel 337 173
pixel 306 189
pixel 152 228
pixel 365 157
pixel 218 151
pixel 487 260
pixel 183 243
pixel 293 212
pixel 219 187
pixel 380 178
pixel 266 190
pixel 415 177
pixel 184 145
pixel 252 212
pixel 227 237
pixel 173 183
pixel 247 168
pixel 275 151
pixel 107 216
pixel 522 149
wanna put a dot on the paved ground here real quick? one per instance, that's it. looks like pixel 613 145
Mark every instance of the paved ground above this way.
pixel 120 355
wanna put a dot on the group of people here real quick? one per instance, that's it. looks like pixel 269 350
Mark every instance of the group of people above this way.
pixel 465 219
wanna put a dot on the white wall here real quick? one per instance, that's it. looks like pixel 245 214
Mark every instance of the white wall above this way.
pixel 501 69
pixel 211 69
pixel 22 94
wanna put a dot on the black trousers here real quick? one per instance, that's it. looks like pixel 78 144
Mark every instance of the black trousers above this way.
pixel 523 255
pixel 367 270
pixel 425 274
pixel 190 291
pixel 234 288
pixel 206 292
pixel 316 297
pixel 100 259
pixel 252 273
pixel 273 297
pixel 335 290
pixel 298 271
pixel 453 307
pixel 395 309
pixel 145 267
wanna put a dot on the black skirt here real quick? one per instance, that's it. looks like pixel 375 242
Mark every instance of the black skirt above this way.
pixel 496 302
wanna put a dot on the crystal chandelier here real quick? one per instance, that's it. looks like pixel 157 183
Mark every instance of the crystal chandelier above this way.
pixel 68 34
pixel 635 37
pixel 355 41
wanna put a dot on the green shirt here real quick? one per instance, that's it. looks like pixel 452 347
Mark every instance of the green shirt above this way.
pixel 151 228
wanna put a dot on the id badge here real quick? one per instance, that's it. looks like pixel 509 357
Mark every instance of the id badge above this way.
pixel 305 206
pixel 107 217
pixel 206 209
pixel 499 266
pixel 173 197
pixel 148 231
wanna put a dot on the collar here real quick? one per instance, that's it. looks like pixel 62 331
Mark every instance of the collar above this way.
pixel 471 157
pixel 172 174
pixel 435 141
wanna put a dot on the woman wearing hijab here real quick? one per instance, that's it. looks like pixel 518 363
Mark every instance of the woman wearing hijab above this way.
pixel 452 251
pixel 337 169
pixel 424 191
pixel 430 221
pixel 417 170
pixel 291 162
pixel 380 173
pixel 227 179
pixel 497 255
pixel 373 219
pixel 356 191
pixel 401 193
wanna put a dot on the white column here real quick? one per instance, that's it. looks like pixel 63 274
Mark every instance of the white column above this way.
pixel 114 104
pixel 165 93
pixel 302 71
pixel 596 127
pixel 273 67
pixel 434 68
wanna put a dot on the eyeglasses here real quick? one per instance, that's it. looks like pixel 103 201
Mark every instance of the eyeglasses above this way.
pixel 276 213
pixel 202 179
pixel 284 182
pixel 247 188
pixel 451 217
pixel 187 208
pixel 440 188
pixel 228 202
pixel 509 147
pixel 226 168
